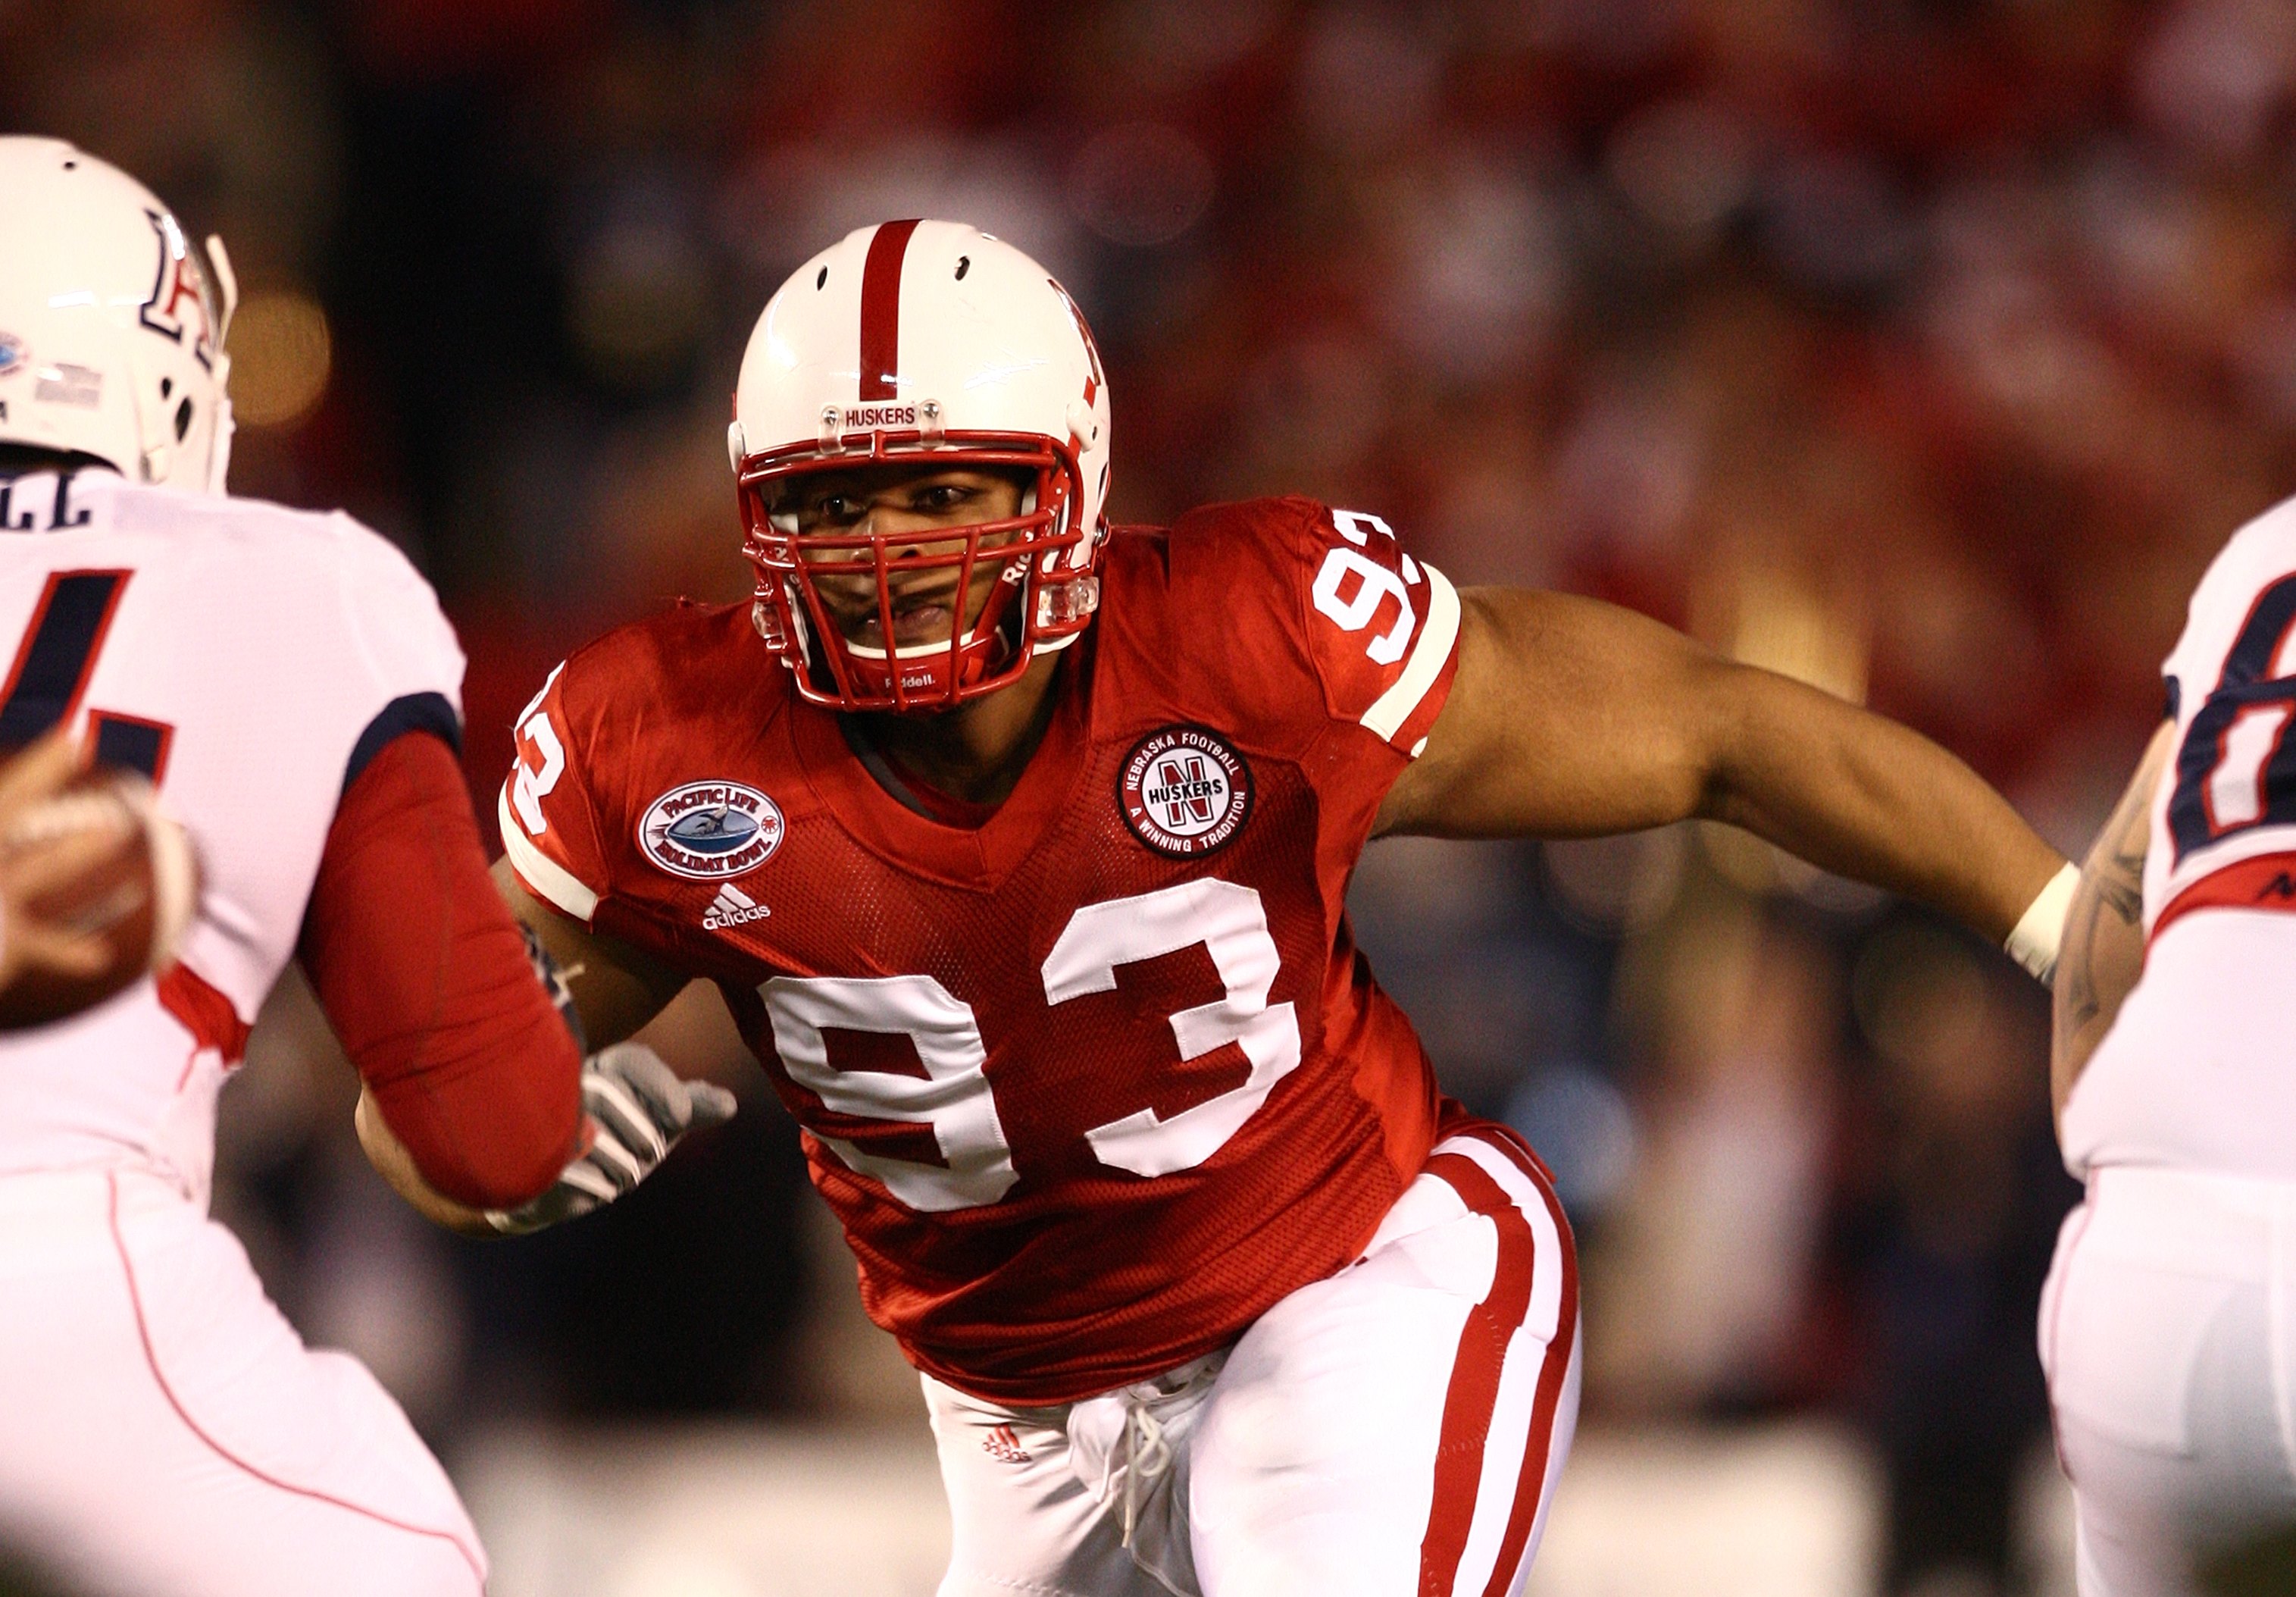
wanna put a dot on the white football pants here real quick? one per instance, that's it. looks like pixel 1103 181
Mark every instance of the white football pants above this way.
pixel 164 1433
pixel 1391 1430
pixel 2169 1338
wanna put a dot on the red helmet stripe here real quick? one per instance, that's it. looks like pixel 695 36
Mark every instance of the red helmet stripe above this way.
pixel 880 310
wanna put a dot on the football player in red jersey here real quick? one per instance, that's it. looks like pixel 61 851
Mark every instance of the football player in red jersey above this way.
pixel 1018 846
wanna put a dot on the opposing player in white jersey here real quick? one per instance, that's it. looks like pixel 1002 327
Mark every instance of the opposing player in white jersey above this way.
pixel 289 683
pixel 2165 1327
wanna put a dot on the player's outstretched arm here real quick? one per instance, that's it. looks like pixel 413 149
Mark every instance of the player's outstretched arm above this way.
pixel 1573 717
pixel 2105 930
pixel 464 1059
pixel 636 1109
pixel 477 1105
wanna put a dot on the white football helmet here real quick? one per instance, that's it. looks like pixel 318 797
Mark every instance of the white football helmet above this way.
pixel 111 328
pixel 927 342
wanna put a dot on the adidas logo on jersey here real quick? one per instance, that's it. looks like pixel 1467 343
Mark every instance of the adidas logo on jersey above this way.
pixel 1002 1445
pixel 732 908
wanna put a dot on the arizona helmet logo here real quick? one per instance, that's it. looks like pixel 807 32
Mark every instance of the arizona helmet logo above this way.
pixel 1185 791
pixel 708 830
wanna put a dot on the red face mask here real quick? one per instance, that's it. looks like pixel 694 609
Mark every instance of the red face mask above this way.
pixel 1043 596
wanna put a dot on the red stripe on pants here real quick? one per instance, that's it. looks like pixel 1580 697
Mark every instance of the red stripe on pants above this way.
pixel 1551 1375
pixel 1472 1398
pixel 880 310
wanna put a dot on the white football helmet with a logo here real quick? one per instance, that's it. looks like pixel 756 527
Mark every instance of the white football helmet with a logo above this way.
pixel 111 328
pixel 927 342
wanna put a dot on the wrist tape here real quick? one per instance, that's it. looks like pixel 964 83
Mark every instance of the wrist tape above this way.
pixel 2040 931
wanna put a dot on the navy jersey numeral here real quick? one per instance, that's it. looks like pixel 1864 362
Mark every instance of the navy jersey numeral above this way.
pixel 54 664
pixel 130 741
pixel 2236 768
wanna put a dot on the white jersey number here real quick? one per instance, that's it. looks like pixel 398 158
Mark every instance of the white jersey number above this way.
pixel 1231 925
pixel 1373 583
pixel 532 784
pixel 955 1099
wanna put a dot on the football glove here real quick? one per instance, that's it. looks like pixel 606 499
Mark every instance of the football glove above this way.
pixel 636 1108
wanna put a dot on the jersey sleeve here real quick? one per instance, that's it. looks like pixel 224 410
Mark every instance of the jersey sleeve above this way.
pixel 1339 644
pixel 1380 628
pixel 406 660
pixel 1336 635
pixel 428 981
pixel 548 814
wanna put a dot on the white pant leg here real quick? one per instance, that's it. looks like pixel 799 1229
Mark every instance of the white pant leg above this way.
pixel 1396 1429
pixel 1023 1520
pixel 2167 1338
pixel 168 1434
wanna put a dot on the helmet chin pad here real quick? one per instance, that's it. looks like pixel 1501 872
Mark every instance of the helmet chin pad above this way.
pixel 934 674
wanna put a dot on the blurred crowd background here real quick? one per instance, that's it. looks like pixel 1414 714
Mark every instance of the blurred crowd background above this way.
pixel 1923 348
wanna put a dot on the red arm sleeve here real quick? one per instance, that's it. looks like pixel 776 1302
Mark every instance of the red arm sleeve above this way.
pixel 419 964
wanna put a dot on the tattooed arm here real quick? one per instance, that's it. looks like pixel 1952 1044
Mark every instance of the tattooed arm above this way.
pixel 2104 950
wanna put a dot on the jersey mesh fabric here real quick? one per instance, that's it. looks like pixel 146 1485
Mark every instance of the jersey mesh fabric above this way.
pixel 1079 1276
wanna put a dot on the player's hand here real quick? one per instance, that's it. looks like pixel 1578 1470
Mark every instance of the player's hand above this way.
pixel 638 1109
pixel 27 875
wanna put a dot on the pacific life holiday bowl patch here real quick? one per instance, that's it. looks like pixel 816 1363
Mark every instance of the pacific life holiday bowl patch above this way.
pixel 1185 791
pixel 707 831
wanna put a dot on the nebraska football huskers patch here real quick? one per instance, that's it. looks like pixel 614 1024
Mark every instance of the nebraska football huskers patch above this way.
pixel 706 830
pixel 1185 791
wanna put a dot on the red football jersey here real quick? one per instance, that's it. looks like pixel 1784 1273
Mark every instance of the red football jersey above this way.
pixel 1093 1084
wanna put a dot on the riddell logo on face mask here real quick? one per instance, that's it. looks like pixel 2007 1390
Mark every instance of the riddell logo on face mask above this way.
pixel 860 418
